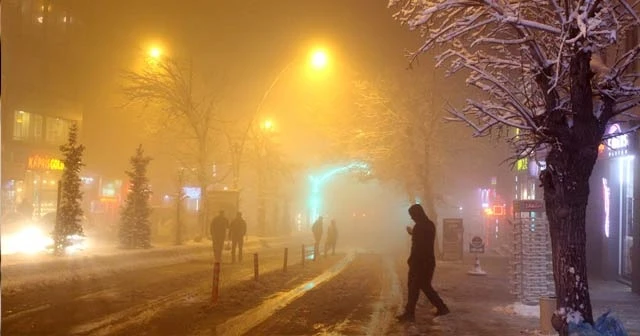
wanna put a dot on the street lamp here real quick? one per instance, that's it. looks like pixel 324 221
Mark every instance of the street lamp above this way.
pixel 155 52
pixel 319 59
pixel 267 125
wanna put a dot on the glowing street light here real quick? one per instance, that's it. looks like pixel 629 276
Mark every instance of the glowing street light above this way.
pixel 319 59
pixel 267 125
pixel 155 52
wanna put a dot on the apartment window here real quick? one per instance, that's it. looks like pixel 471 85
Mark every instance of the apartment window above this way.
pixel 27 126
pixel 21 125
pixel 57 130
pixel 37 127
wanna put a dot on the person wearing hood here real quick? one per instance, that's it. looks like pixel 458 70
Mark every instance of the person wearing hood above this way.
pixel 332 238
pixel 316 228
pixel 422 264
pixel 237 231
pixel 218 229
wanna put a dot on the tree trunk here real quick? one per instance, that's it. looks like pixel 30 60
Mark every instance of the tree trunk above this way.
pixel 179 200
pixel 565 181
pixel 203 208
pixel 203 182
pixel 566 191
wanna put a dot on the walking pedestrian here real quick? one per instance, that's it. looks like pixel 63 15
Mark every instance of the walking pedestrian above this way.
pixel 422 264
pixel 237 231
pixel 218 234
pixel 332 238
pixel 317 236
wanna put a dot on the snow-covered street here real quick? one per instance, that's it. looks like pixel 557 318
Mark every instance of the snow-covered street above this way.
pixel 355 292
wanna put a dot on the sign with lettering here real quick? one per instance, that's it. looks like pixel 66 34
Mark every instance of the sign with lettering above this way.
pixel 528 206
pixel 617 145
pixel 38 162
pixel 452 233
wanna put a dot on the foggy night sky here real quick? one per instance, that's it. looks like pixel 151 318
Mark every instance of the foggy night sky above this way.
pixel 247 43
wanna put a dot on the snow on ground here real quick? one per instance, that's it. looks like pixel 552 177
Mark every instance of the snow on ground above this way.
pixel 23 272
pixel 19 277
pixel 519 309
pixel 241 324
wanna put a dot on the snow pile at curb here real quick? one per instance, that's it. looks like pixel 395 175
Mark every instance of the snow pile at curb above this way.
pixel 519 309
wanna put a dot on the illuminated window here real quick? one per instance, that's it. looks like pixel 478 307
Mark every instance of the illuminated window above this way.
pixel 22 122
pixel 27 126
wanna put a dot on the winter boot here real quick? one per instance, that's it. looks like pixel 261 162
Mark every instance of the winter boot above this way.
pixel 406 317
pixel 444 310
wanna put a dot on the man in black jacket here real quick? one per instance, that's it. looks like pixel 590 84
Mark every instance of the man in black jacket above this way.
pixel 422 264
pixel 218 228
pixel 237 230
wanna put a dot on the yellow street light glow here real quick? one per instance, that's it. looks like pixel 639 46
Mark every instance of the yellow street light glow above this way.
pixel 155 52
pixel 268 124
pixel 319 59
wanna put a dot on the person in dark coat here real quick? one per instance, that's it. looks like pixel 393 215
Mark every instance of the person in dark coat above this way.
pixel 218 233
pixel 237 231
pixel 332 238
pixel 422 264
pixel 317 236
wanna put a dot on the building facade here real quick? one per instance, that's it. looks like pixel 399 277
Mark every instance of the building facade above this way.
pixel 40 101
pixel 612 217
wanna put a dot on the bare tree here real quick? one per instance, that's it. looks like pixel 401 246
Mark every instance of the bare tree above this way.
pixel 397 129
pixel 535 62
pixel 188 119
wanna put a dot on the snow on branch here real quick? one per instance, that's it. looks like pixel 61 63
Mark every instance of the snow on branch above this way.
pixel 519 54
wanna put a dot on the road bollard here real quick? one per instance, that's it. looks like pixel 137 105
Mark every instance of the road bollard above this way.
pixel 303 255
pixel 255 266
pixel 216 283
pixel 286 255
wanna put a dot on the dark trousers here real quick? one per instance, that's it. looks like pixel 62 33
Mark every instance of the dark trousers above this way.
pixel 420 279
pixel 236 243
pixel 217 250
pixel 330 245
pixel 316 248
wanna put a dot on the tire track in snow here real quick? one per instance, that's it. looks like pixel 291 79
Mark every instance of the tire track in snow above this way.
pixel 241 324
pixel 390 301
pixel 141 313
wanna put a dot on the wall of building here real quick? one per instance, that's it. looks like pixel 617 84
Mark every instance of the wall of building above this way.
pixel 39 101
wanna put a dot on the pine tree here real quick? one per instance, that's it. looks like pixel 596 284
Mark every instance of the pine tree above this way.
pixel 135 230
pixel 69 216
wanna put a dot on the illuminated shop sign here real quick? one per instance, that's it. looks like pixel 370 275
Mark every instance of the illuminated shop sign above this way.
pixel 619 145
pixel 111 189
pixel 522 164
pixel 38 162
pixel 192 192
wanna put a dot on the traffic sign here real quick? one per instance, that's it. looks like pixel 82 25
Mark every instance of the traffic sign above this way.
pixel 476 245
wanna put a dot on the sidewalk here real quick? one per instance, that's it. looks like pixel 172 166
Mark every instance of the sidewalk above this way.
pixel 483 306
